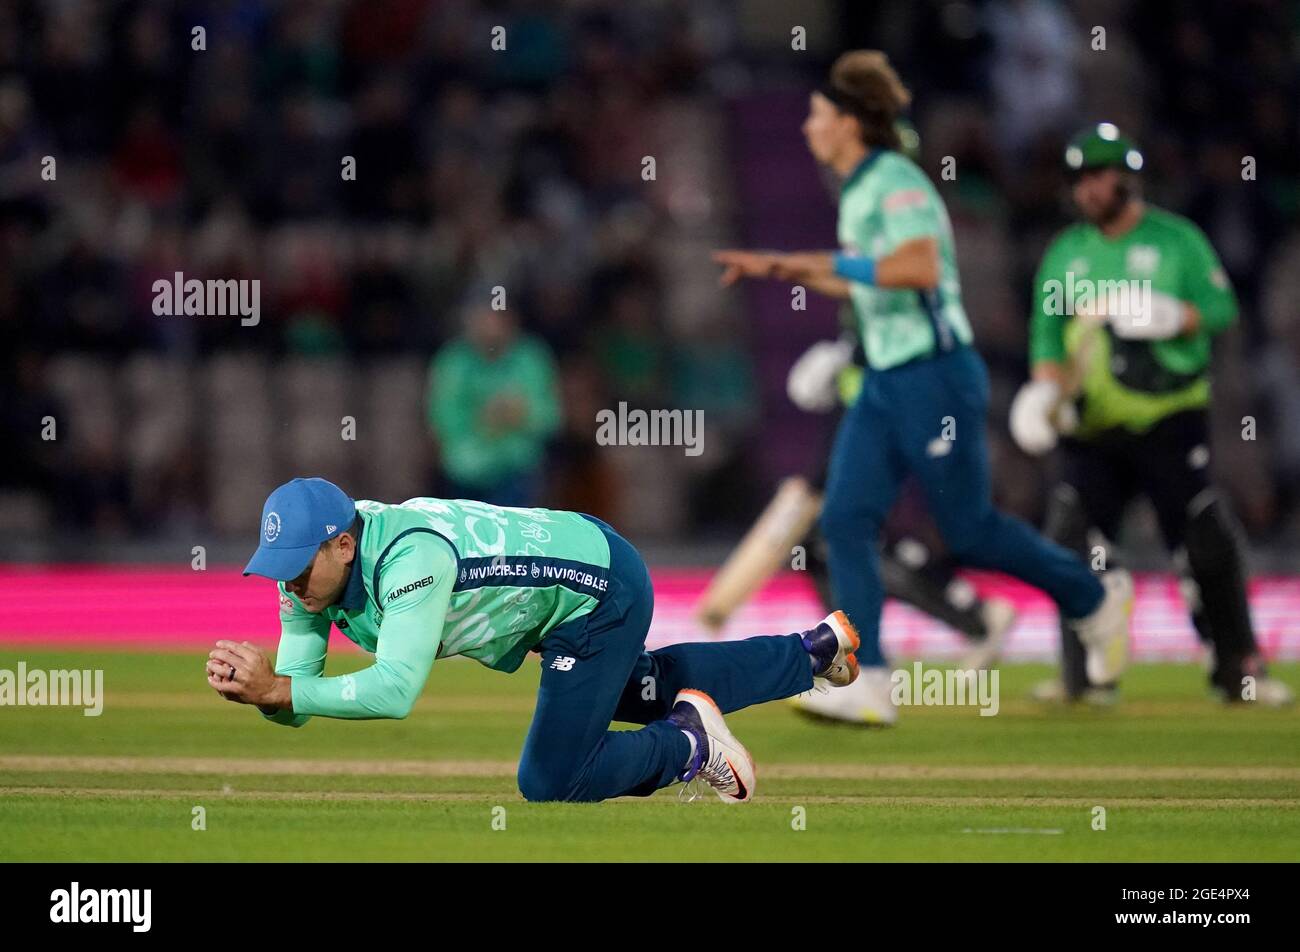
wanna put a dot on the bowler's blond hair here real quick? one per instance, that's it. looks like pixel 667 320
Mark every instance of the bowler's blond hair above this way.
pixel 868 81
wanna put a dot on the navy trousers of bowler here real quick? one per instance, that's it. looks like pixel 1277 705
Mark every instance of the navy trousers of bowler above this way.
pixel 927 417
pixel 596 670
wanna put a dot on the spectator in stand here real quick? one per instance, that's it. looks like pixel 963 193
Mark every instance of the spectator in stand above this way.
pixel 493 404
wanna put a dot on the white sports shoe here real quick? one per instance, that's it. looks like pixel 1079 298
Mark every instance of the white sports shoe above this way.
pixel 1104 633
pixel 999 616
pixel 1270 692
pixel 866 701
pixel 720 760
pixel 1052 691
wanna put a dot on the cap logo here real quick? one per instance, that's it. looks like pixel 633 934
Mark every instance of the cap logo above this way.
pixel 331 529
pixel 271 530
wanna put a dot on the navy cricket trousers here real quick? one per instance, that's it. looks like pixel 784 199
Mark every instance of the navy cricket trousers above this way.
pixel 595 670
pixel 927 418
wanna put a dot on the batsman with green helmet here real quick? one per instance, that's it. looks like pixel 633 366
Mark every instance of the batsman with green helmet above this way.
pixel 1126 304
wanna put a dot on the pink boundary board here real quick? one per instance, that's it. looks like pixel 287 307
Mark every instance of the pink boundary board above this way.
pixel 166 607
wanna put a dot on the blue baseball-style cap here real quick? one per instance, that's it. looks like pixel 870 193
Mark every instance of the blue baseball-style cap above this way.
pixel 296 519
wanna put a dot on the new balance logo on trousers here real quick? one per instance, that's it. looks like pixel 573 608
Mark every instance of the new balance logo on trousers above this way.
pixel 563 663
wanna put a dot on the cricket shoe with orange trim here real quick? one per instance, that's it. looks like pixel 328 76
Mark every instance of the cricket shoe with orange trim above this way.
pixel 832 645
pixel 720 760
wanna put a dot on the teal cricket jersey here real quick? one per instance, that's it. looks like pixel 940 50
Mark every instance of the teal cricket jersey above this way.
pixel 434 578
pixel 886 201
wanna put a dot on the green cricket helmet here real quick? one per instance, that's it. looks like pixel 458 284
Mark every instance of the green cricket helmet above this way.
pixel 1102 146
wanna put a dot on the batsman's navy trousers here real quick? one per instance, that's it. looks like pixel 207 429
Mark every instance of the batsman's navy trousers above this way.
pixel 595 670
pixel 927 418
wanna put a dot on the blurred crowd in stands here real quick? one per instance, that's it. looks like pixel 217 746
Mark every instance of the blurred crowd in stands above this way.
pixel 526 170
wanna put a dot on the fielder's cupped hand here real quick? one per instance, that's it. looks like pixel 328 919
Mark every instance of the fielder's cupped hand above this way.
pixel 240 671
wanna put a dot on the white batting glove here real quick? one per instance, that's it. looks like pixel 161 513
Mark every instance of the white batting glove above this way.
pixel 1155 316
pixel 811 382
pixel 1031 416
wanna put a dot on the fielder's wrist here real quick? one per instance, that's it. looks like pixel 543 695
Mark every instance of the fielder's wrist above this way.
pixel 279 698
pixel 855 268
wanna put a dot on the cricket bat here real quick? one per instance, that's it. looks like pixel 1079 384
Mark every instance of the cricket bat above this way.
pixel 763 550
pixel 1063 416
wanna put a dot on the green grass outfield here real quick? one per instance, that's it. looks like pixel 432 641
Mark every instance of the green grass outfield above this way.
pixel 1180 777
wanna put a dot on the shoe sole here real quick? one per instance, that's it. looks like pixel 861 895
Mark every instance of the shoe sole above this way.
pixel 823 717
pixel 845 633
pixel 874 724
pixel 730 738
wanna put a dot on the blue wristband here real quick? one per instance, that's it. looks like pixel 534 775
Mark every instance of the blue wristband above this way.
pixel 856 268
